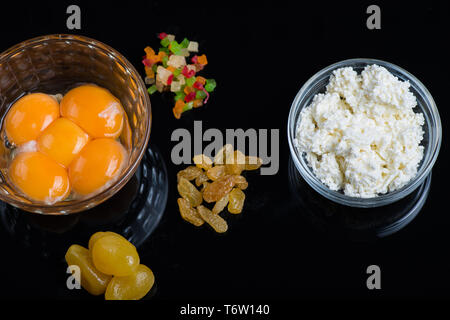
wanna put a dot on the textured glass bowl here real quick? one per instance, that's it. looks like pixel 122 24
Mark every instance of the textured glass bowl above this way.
pixel 431 140
pixel 52 64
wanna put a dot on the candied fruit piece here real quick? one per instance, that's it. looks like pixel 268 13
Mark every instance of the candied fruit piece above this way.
pixel 188 213
pixel 176 61
pixel 93 239
pixel 216 172
pixel 188 191
pixel 220 205
pixel 202 161
pixel 252 163
pixel 236 201
pixel 115 256
pixel 202 60
pixel 218 189
pixel 92 280
pixel 192 46
pixel 132 287
pixel 190 173
pixel 214 220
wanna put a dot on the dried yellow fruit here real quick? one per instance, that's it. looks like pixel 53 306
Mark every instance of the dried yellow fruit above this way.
pixel 220 205
pixel 188 191
pixel 235 163
pixel 214 220
pixel 223 154
pixel 190 173
pixel 188 213
pixel 218 189
pixel 216 172
pixel 240 182
pixel 202 161
pixel 201 179
pixel 236 201
pixel 252 163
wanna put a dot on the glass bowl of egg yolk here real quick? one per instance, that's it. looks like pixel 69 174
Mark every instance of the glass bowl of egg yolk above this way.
pixel 75 123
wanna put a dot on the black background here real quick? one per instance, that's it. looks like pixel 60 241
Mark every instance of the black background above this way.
pixel 260 54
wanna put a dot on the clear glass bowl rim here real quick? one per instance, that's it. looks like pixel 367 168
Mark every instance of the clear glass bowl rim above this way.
pixel 84 204
pixel 384 199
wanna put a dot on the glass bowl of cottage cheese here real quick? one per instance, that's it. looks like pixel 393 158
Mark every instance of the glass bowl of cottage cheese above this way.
pixel 364 132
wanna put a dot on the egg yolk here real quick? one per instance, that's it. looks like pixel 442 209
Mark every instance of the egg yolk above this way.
pixel 95 110
pixel 100 161
pixel 62 141
pixel 39 177
pixel 29 116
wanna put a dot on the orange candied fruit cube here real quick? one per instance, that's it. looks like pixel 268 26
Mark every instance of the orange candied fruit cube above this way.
pixel 202 60
pixel 171 69
pixel 178 109
pixel 188 90
pixel 149 72
pixel 198 103
pixel 201 80
pixel 149 52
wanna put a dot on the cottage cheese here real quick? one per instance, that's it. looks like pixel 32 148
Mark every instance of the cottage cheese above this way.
pixel 362 135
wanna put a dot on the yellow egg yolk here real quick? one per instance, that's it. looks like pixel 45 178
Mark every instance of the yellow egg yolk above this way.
pixel 39 177
pixel 29 116
pixel 62 141
pixel 100 162
pixel 95 110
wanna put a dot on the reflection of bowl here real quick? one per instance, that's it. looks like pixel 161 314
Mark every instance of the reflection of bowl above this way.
pixel 425 105
pixel 54 63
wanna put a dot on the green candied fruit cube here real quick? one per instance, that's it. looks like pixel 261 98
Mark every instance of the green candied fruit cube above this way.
pixel 176 72
pixel 152 89
pixel 164 61
pixel 200 95
pixel 179 95
pixel 188 106
pixel 165 42
pixel 175 47
pixel 184 43
pixel 166 50
pixel 210 85
pixel 190 81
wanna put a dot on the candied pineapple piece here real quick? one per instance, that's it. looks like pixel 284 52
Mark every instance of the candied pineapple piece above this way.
pixel 190 173
pixel 176 61
pixel 132 287
pixel 216 172
pixel 188 213
pixel 192 46
pixel 218 189
pixel 188 191
pixel 202 161
pixel 92 280
pixel 214 220
pixel 221 204
pixel 236 201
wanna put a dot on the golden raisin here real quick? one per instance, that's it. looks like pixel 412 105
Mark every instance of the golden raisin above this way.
pixel 214 220
pixel 236 201
pixel 235 163
pixel 190 173
pixel 188 213
pixel 188 191
pixel 201 179
pixel 223 154
pixel 240 182
pixel 202 161
pixel 92 280
pixel 252 163
pixel 115 255
pixel 220 205
pixel 132 287
pixel 218 189
pixel 216 172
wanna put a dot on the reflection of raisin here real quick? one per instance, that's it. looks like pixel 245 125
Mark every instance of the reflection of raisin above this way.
pixel 188 191
pixel 218 189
